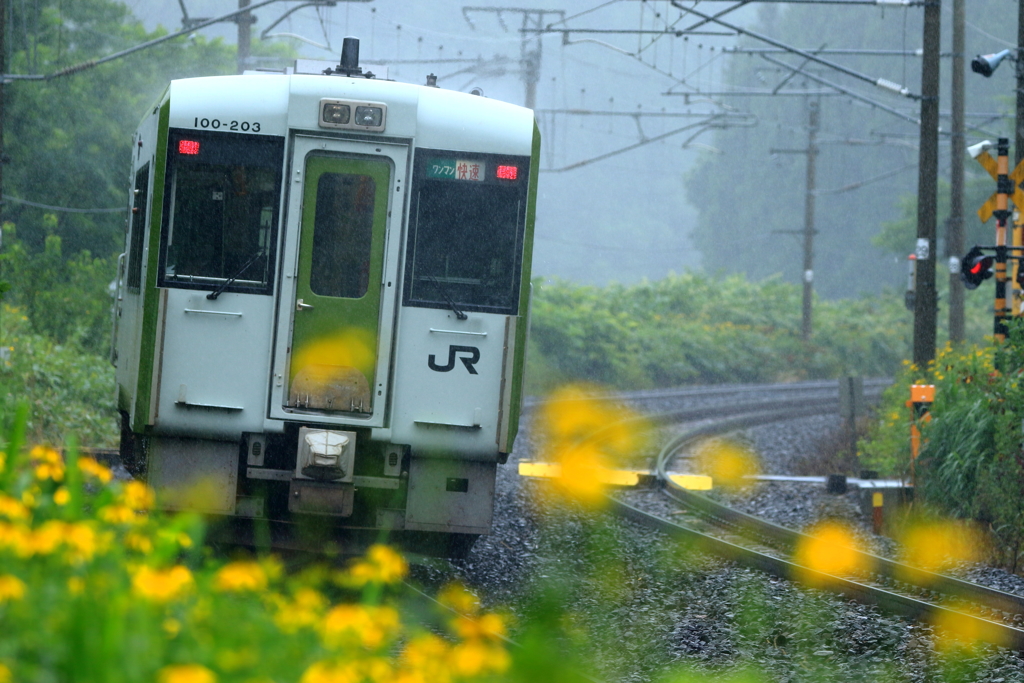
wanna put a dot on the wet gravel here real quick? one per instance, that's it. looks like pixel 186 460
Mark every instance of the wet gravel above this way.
pixel 625 604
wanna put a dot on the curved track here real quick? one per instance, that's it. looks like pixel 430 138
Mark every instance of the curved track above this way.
pixel 893 586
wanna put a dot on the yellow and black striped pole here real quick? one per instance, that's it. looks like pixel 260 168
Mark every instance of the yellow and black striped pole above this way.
pixel 1004 188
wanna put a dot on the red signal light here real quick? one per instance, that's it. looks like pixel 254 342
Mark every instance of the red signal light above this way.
pixel 188 147
pixel 508 172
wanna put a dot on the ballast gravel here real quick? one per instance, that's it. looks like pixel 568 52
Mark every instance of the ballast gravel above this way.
pixel 631 605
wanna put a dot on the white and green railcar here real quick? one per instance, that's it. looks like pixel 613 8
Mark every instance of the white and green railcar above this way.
pixel 322 307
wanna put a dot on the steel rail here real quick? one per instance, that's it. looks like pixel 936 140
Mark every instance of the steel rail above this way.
pixel 984 629
pixel 881 566
pixel 755 527
pixel 871 384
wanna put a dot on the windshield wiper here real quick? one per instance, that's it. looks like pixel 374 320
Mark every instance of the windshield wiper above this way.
pixel 444 292
pixel 227 283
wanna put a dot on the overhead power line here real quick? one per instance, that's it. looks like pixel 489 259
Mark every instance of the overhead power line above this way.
pixel 810 56
pixel 67 71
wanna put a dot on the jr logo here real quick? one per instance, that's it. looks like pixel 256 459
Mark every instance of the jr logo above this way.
pixel 469 361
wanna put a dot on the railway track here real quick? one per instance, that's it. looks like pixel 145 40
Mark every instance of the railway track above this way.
pixel 975 610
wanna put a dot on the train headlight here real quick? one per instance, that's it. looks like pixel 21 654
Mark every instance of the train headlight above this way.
pixel 336 113
pixel 353 115
pixel 369 116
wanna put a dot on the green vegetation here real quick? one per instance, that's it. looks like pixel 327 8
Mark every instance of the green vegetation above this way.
pixel 96 587
pixel 69 390
pixel 970 465
pixel 67 142
pixel 691 329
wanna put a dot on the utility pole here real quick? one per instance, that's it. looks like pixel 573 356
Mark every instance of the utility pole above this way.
pixel 245 22
pixel 1016 298
pixel 955 227
pixel 812 155
pixel 529 48
pixel 926 302
pixel 1018 151
pixel 808 232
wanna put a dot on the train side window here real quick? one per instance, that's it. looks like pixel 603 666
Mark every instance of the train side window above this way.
pixel 140 204
pixel 466 236
pixel 342 235
pixel 220 213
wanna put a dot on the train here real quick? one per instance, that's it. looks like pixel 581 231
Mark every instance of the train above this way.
pixel 321 311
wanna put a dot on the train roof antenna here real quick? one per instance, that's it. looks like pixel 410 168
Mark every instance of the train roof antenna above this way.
pixel 349 65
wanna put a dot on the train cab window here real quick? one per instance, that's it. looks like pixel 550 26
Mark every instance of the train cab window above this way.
pixel 342 235
pixel 140 202
pixel 220 211
pixel 467 224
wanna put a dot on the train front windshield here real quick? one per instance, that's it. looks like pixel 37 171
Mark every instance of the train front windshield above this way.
pixel 467 225
pixel 220 210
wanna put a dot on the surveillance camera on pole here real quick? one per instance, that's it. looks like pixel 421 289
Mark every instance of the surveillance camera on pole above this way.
pixel 986 64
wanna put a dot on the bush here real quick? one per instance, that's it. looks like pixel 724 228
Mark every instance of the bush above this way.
pixel 690 329
pixel 68 390
pixel 971 463
pixel 95 586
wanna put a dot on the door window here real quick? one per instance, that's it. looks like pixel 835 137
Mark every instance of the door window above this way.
pixel 342 235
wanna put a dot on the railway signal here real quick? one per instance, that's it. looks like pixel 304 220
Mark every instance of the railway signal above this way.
pixel 975 268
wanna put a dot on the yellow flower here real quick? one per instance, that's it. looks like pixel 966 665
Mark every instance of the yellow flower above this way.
pixel 937 545
pixel 12 509
pixel 138 542
pixel 119 514
pixel 82 541
pixel 586 437
pixel 475 657
pixel 16 538
pixel 830 549
pixel 958 629
pixel 5 673
pixel 730 464
pixel 369 626
pixel 61 496
pixel 47 538
pixel 11 588
pixel 185 673
pixel 459 598
pixel 485 627
pixel 45 454
pixel 373 669
pixel 138 496
pixel 425 660
pixel 96 470
pixel 162 585
pixel 238 577
pixel 382 564
pixel 304 611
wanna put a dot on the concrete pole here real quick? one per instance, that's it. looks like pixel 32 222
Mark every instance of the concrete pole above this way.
pixel 926 302
pixel 245 22
pixel 812 154
pixel 955 228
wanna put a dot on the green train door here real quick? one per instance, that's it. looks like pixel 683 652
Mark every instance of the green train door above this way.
pixel 338 289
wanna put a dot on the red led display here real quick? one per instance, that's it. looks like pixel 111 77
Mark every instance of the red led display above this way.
pixel 508 172
pixel 188 147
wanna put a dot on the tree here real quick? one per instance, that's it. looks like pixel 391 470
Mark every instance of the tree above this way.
pixel 748 197
pixel 68 139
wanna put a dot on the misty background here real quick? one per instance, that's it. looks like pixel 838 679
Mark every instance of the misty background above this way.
pixel 665 152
